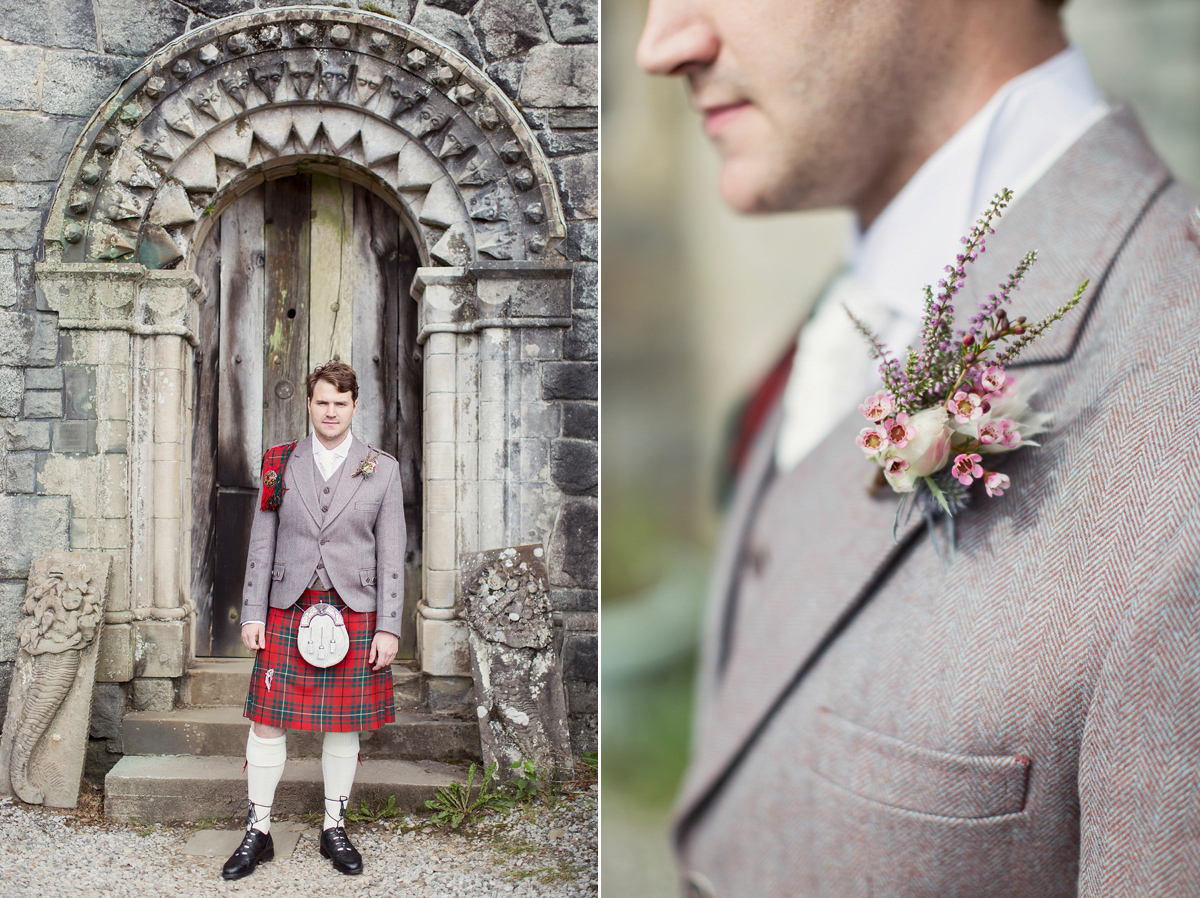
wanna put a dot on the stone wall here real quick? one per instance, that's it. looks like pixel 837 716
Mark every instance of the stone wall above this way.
pixel 61 59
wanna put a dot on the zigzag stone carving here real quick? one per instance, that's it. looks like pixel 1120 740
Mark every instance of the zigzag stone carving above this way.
pixel 362 94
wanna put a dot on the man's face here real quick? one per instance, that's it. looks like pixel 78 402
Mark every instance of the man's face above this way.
pixel 331 413
pixel 809 102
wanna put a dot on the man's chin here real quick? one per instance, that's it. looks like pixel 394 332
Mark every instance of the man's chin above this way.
pixel 747 189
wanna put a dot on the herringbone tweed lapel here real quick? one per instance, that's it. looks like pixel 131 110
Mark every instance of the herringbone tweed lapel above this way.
pixel 1078 217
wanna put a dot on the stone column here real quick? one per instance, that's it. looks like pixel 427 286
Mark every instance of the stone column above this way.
pixel 127 343
pixel 487 330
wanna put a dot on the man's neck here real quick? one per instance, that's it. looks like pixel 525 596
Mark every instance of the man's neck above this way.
pixel 980 69
pixel 328 445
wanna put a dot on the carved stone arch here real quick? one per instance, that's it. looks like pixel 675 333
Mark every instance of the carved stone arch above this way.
pixel 366 98
pixel 336 87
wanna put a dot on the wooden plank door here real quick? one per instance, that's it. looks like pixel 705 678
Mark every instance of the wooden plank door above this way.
pixel 299 270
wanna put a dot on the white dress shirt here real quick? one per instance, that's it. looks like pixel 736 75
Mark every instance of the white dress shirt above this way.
pixel 1011 142
pixel 329 460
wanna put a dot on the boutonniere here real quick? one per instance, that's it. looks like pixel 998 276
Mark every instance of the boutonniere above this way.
pixel 951 406
pixel 367 468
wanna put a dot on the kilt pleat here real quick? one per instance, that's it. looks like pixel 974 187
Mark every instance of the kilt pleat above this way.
pixel 288 692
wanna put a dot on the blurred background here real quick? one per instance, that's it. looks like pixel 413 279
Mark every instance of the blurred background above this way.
pixel 698 303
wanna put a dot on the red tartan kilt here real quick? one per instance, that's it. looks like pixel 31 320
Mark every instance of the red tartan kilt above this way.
pixel 288 692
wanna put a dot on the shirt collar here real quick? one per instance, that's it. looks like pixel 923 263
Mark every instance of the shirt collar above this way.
pixel 341 450
pixel 1011 142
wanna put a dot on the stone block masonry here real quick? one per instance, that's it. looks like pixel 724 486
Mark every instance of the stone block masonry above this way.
pixel 69 412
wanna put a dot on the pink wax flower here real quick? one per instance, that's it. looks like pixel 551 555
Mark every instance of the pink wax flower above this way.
pixel 872 439
pixel 993 380
pixel 879 406
pixel 966 468
pixel 995 483
pixel 1010 438
pixel 898 430
pixel 965 406
pixel 894 468
pixel 990 432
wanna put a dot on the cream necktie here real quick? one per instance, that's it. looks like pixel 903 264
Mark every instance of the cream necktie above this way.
pixel 832 372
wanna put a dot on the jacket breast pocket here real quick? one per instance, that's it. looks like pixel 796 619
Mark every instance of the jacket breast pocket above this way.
pixel 367 576
pixel 277 572
pixel 911 777
pixel 367 506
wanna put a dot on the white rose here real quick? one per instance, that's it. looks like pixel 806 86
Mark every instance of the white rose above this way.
pixel 927 452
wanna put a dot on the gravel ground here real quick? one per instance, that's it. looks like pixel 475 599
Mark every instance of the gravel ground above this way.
pixel 539 849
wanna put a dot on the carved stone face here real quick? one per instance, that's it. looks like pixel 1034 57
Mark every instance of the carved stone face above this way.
pixel 812 102
pixel 267 79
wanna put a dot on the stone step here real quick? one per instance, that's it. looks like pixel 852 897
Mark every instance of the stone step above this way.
pixel 221 731
pixel 179 789
pixel 223 681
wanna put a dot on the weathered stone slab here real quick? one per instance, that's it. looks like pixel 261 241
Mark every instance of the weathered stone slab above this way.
pixel 44 745
pixel 582 340
pixel 19 230
pixel 573 547
pixel 451 29
pixel 560 76
pixel 36 146
pixel 508 27
pixel 578 180
pixel 139 27
pixel 574 466
pixel 12 386
pixel 519 693
pixel 572 21
pixel 53 23
pixel 77 83
pixel 30 524
pixel 570 380
pixel 21 87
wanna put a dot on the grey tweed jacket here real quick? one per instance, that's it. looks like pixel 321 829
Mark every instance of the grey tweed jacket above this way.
pixel 1022 719
pixel 360 539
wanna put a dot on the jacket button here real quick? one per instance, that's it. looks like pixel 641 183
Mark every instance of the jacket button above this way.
pixel 252 564
pixel 324 541
pixel 393 595
pixel 249 582
pixel 393 576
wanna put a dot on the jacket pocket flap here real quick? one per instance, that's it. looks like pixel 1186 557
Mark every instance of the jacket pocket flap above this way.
pixel 277 572
pixel 367 577
pixel 370 506
pixel 914 778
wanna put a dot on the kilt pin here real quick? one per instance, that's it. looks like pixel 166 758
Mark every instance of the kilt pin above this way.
pixel 288 692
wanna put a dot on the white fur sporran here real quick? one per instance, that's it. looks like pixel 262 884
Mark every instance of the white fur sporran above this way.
pixel 322 637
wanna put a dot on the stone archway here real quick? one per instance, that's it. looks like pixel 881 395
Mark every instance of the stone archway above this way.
pixel 364 97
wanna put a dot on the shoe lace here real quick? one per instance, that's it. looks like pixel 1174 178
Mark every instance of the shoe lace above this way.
pixel 253 818
pixel 341 814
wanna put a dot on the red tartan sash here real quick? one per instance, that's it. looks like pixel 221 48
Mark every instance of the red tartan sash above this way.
pixel 274 462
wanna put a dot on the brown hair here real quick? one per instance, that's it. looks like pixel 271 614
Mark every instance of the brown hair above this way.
pixel 339 374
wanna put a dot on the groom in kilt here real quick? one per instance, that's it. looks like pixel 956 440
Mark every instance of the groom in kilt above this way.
pixel 328 531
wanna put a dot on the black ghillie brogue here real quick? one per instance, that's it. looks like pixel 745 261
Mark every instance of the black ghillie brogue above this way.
pixel 256 847
pixel 336 846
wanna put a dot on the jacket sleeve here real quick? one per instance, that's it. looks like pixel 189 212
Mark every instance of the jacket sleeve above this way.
pixel 259 559
pixel 390 538
pixel 1139 768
